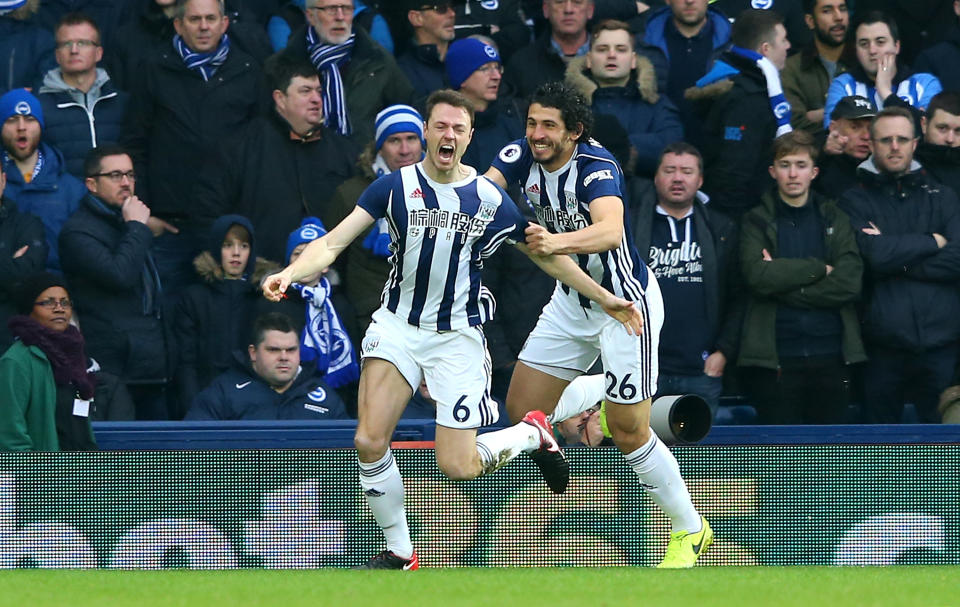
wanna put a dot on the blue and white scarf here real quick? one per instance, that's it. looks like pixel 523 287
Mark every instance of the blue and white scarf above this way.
pixel 205 63
pixel 324 339
pixel 328 58
pixel 778 102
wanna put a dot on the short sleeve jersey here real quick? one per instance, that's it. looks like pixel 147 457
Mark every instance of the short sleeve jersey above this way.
pixel 441 233
pixel 561 200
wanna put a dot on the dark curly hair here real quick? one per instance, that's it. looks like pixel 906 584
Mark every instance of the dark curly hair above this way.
pixel 573 106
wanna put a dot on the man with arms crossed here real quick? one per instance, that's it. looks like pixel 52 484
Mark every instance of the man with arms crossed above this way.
pixel 558 158
pixel 444 220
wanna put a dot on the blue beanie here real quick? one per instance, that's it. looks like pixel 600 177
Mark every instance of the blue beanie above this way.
pixel 465 56
pixel 398 119
pixel 20 102
pixel 311 228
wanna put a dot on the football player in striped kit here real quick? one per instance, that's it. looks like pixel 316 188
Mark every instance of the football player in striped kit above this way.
pixel 576 188
pixel 443 220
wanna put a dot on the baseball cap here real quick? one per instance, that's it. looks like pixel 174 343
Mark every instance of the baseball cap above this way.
pixel 853 107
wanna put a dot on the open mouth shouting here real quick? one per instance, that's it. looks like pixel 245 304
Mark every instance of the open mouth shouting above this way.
pixel 446 153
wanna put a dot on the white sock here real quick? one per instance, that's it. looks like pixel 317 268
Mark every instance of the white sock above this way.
pixel 499 447
pixel 579 395
pixel 660 477
pixel 383 489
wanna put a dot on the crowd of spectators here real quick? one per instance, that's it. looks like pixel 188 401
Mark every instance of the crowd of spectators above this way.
pixel 160 156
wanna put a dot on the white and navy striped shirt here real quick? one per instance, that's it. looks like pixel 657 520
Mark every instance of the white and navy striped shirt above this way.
pixel 561 201
pixel 441 233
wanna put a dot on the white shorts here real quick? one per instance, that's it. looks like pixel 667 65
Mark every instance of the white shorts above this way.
pixel 455 364
pixel 568 338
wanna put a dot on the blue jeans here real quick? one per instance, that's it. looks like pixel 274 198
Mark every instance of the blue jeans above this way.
pixel 709 388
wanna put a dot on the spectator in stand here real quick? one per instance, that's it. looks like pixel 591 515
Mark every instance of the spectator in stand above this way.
pixel 939 152
pixel 26 49
pixel 801 265
pixel 922 23
pixel 847 145
pixel 150 32
pixel 500 21
pixel 422 62
pixel 23 251
pixel 282 166
pixel 398 143
pixel 110 266
pixel 37 179
pixel 617 82
pixel 692 249
pixel 291 16
pixel 46 384
pixel 546 58
pixel 213 317
pixel 683 40
pixel 474 69
pixel 194 93
pixel 808 74
pixel 908 230
pixel 358 77
pixel 745 120
pixel 943 58
pixel 792 12
pixel 879 74
pixel 81 106
pixel 269 382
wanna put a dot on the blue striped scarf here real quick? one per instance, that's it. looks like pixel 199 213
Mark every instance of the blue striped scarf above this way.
pixel 778 101
pixel 205 63
pixel 328 58
pixel 324 339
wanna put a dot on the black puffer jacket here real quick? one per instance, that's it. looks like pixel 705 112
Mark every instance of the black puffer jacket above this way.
pixel 114 283
pixel 17 230
pixel 911 297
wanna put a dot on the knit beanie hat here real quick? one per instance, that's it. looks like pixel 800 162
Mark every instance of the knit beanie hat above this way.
pixel 465 56
pixel 311 228
pixel 398 119
pixel 20 102
pixel 26 293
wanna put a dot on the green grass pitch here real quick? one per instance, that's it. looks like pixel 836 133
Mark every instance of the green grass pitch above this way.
pixel 487 587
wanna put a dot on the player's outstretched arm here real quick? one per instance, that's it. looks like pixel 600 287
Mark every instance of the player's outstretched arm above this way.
pixel 604 234
pixel 319 254
pixel 569 273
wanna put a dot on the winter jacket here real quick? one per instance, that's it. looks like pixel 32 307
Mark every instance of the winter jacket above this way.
pixel 215 317
pixel 240 394
pixel 535 64
pixel 838 173
pixel 910 89
pixel 116 290
pixel 805 84
pixel 943 61
pixel 738 134
pixel 372 81
pixel 30 402
pixel 502 122
pixel 481 16
pixel 274 179
pixel 53 196
pixel 177 121
pixel 795 282
pixel 911 299
pixel 942 163
pixel 718 244
pixel 17 230
pixel 76 122
pixel 652 42
pixel 27 52
pixel 424 69
pixel 650 119
pixel 151 32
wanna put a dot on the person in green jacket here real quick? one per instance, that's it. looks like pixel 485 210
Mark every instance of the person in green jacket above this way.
pixel 45 384
pixel 803 270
